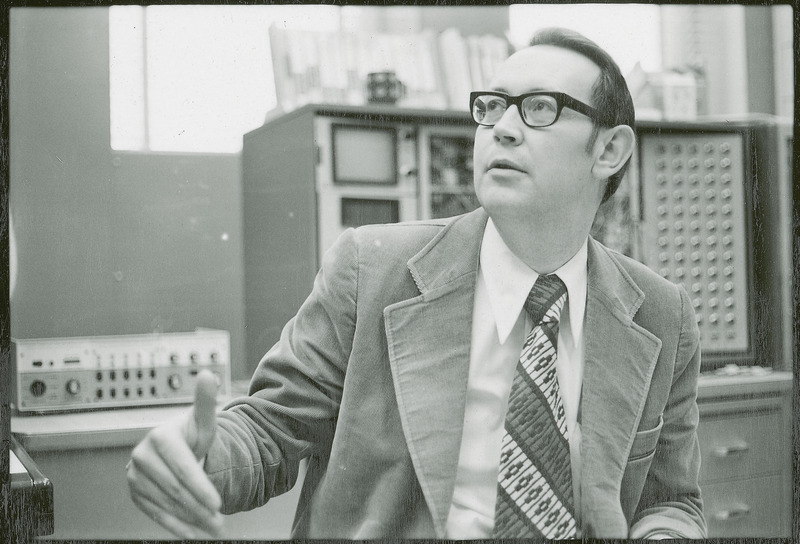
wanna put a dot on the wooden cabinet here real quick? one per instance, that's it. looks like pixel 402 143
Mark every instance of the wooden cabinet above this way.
pixel 745 441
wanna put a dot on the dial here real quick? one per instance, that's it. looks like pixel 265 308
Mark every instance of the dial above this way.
pixel 174 382
pixel 38 388
pixel 73 387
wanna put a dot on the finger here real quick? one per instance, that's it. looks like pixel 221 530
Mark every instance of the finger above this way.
pixel 181 468
pixel 173 524
pixel 204 413
pixel 159 484
pixel 156 485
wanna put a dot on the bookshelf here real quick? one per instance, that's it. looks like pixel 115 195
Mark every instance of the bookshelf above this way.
pixel 438 68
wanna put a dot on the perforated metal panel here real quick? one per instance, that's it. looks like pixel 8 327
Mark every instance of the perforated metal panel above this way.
pixel 696 224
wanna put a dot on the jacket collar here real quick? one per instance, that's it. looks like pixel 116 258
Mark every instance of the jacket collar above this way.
pixel 451 254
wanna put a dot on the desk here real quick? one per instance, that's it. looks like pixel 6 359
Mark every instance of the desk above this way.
pixel 84 455
pixel 31 506
pixel 745 438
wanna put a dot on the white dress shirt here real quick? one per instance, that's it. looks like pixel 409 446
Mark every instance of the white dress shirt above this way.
pixel 499 328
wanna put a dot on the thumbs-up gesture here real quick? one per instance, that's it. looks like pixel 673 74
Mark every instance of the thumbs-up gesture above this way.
pixel 165 475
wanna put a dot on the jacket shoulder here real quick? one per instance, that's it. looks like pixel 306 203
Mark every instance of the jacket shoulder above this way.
pixel 393 242
pixel 645 277
pixel 664 309
pixel 664 302
pixel 406 231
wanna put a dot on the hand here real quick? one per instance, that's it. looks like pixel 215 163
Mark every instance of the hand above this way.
pixel 165 477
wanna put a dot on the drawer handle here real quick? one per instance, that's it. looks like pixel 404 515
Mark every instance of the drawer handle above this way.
pixel 733 513
pixel 728 451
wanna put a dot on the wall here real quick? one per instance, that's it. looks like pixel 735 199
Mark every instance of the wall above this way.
pixel 109 242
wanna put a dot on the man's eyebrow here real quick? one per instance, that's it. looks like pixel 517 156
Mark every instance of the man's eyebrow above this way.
pixel 531 90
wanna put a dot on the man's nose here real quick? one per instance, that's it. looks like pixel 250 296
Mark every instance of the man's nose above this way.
pixel 508 128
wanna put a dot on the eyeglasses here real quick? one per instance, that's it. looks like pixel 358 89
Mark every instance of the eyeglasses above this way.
pixel 538 109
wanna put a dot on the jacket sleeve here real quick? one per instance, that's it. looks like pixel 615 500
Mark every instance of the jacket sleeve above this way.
pixel 294 393
pixel 671 504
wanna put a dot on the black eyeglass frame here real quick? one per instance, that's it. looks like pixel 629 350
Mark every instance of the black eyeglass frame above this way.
pixel 563 100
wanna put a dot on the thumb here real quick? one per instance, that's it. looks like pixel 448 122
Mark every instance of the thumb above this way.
pixel 204 413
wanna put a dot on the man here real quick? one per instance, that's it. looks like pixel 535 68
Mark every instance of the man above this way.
pixel 394 377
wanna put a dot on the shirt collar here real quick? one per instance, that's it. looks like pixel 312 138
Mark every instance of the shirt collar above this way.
pixel 509 280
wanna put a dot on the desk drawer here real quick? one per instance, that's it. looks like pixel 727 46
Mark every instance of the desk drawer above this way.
pixel 740 445
pixel 747 508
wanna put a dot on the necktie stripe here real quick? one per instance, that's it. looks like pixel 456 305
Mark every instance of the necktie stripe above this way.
pixel 519 524
pixel 555 476
pixel 544 507
pixel 540 374
pixel 551 331
pixel 533 414
pixel 532 405
pixel 546 456
pixel 535 477
pixel 542 298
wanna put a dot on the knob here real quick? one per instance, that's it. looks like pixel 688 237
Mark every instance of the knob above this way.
pixel 174 382
pixel 38 388
pixel 731 449
pixel 73 387
pixel 736 512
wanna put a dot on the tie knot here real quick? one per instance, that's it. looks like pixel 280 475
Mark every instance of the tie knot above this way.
pixel 546 299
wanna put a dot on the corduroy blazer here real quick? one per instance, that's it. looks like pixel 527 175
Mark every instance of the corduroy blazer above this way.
pixel 368 382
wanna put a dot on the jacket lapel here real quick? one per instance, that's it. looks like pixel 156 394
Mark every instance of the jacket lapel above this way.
pixel 429 348
pixel 619 360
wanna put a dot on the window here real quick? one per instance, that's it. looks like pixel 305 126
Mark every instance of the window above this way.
pixel 196 78
pixel 631 33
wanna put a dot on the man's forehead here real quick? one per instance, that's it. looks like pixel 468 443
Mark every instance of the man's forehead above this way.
pixel 547 67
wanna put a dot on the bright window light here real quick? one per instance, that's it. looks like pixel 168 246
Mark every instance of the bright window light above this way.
pixel 631 33
pixel 126 85
pixel 196 78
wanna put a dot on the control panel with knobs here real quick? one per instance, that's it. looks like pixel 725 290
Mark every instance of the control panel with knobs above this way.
pixel 79 373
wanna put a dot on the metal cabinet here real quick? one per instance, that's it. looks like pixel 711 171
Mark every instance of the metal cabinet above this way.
pixel 745 441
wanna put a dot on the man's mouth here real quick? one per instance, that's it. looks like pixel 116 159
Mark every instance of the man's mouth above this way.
pixel 504 164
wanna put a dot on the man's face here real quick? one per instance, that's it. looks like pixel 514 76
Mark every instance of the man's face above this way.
pixel 540 174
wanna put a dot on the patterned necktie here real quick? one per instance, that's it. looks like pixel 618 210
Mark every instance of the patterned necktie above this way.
pixel 534 492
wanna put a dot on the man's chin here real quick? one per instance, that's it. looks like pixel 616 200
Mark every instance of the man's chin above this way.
pixel 500 203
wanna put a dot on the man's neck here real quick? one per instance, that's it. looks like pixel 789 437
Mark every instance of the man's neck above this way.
pixel 543 248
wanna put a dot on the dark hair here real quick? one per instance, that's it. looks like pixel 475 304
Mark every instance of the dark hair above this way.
pixel 610 93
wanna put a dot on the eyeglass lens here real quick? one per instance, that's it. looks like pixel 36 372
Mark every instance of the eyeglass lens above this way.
pixel 537 110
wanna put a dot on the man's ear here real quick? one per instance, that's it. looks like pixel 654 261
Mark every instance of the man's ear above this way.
pixel 613 147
